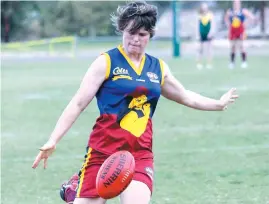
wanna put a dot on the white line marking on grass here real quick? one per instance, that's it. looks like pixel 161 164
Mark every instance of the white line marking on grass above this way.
pixel 34 96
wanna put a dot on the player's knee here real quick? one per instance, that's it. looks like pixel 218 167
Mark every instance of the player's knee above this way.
pixel 232 44
pixel 208 46
pixel 136 192
pixel 200 49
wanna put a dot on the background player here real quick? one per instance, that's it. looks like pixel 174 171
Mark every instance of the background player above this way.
pixel 205 35
pixel 235 20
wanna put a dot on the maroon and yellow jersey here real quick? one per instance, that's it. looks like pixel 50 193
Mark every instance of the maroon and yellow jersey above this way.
pixel 237 30
pixel 236 19
pixel 127 100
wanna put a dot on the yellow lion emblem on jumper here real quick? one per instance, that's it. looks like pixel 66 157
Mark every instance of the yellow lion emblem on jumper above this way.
pixel 236 22
pixel 136 120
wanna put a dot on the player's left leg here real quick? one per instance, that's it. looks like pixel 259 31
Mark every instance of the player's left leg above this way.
pixel 232 36
pixel 136 192
pixel 140 189
pixel 243 52
pixel 232 53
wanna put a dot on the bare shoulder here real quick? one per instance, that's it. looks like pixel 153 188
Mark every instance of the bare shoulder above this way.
pixel 100 65
pixel 98 69
pixel 166 69
pixel 100 62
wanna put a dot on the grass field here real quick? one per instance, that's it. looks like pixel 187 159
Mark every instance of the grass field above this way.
pixel 81 44
pixel 200 157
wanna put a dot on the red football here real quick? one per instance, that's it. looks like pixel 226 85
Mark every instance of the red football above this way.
pixel 115 174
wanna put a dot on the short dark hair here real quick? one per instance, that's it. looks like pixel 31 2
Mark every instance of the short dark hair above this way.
pixel 141 14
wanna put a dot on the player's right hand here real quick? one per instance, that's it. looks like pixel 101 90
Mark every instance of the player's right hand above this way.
pixel 45 151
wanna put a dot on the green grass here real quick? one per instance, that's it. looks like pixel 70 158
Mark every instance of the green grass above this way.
pixel 200 157
pixel 81 45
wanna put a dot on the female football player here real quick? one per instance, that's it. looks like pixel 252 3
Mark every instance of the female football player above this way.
pixel 127 84
pixel 205 33
pixel 235 21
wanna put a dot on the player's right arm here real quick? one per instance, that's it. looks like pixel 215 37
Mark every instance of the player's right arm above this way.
pixel 90 84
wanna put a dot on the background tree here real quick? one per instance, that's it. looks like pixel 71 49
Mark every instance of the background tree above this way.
pixel 14 15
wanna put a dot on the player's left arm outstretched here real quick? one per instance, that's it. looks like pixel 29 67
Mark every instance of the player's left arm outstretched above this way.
pixel 173 90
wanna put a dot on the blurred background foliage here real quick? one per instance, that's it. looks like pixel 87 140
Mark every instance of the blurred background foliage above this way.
pixel 24 20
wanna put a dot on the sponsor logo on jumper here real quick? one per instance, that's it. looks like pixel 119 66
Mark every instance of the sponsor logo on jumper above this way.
pixel 121 77
pixel 153 77
pixel 120 71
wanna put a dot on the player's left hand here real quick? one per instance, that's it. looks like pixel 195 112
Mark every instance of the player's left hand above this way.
pixel 228 98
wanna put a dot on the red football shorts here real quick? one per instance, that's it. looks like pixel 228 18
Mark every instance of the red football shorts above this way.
pixel 93 162
pixel 237 33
